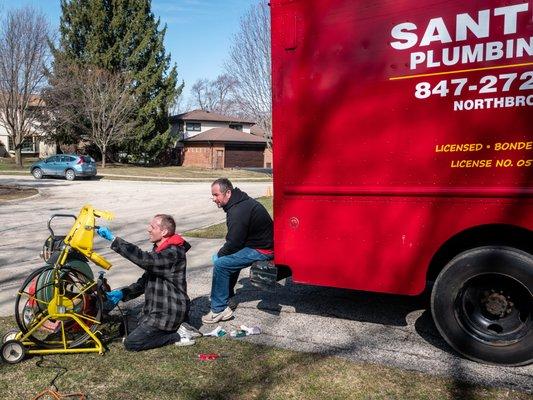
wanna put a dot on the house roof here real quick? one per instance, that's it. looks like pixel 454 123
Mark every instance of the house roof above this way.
pixel 201 115
pixel 34 100
pixel 225 135
pixel 258 131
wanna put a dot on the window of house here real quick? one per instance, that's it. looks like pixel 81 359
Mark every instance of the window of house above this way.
pixel 237 127
pixel 29 144
pixel 193 126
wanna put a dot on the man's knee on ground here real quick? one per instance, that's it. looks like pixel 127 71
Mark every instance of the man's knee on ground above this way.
pixel 133 345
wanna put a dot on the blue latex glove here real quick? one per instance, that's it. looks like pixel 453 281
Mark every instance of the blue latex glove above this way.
pixel 105 232
pixel 113 297
pixel 214 257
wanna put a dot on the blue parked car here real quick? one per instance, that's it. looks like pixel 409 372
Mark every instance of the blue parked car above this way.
pixel 68 165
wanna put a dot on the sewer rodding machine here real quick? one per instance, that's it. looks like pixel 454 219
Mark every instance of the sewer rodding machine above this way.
pixel 60 306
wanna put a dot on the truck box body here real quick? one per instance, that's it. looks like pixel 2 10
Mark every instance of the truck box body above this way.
pixel 400 127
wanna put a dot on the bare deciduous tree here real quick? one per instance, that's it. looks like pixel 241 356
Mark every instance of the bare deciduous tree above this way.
pixel 24 51
pixel 249 65
pixel 106 101
pixel 178 106
pixel 216 95
pixel 96 101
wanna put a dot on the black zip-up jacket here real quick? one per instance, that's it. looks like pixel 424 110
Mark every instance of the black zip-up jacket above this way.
pixel 249 224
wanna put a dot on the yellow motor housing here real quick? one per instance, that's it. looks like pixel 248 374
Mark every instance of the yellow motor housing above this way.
pixel 81 234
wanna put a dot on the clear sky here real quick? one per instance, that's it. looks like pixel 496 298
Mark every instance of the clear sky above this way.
pixel 198 35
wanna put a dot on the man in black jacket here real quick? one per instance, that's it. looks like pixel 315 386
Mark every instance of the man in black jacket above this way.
pixel 249 239
pixel 163 284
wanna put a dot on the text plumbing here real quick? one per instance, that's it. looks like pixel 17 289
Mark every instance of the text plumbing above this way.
pixel 501 21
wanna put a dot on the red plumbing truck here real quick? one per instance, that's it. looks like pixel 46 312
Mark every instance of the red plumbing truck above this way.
pixel 403 155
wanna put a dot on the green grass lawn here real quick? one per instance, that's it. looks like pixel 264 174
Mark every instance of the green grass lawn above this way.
pixel 9 164
pixel 218 231
pixel 246 371
pixel 183 172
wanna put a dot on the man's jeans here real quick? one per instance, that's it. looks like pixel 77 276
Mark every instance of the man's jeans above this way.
pixel 226 273
pixel 143 336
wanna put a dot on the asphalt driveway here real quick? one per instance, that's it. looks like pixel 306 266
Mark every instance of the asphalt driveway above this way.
pixel 390 330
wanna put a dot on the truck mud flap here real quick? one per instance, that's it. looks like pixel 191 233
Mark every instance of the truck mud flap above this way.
pixel 265 274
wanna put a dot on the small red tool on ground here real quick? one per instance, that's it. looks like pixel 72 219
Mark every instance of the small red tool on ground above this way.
pixel 208 357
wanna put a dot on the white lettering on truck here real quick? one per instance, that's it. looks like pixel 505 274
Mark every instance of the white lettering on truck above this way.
pixel 501 20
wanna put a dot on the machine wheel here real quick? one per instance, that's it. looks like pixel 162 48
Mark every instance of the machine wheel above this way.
pixel 33 298
pixel 482 304
pixel 13 352
pixel 70 175
pixel 10 335
pixel 37 173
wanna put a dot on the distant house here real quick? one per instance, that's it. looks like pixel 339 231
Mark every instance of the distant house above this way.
pixel 211 140
pixel 32 145
pixel 257 131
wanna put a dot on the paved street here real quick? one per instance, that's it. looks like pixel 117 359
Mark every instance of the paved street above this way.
pixel 23 229
pixel 389 330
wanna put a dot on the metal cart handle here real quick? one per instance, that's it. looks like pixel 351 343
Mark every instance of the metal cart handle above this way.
pixel 57 215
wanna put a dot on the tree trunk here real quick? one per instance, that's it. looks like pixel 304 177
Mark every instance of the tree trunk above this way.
pixel 103 151
pixel 18 157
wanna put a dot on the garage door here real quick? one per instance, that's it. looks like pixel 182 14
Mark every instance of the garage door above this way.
pixel 243 157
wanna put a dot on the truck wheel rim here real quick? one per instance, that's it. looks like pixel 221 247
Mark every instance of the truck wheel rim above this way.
pixel 495 309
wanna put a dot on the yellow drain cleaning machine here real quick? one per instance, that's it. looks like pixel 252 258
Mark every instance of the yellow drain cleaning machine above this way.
pixel 59 307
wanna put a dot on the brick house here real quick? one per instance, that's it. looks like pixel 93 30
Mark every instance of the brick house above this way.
pixel 257 131
pixel 211 140
pixel 33 145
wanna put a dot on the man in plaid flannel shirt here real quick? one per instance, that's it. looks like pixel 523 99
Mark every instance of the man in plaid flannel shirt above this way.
pixel 166 304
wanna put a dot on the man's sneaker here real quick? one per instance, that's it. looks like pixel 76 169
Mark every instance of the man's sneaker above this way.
pixel 188 331
pixel 213 317
pixel 184 341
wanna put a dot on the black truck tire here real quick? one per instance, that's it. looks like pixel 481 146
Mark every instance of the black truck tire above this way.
pixel 482 305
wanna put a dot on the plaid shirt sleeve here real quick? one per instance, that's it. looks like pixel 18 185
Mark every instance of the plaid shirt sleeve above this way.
pixel 135 289
pixel 156 263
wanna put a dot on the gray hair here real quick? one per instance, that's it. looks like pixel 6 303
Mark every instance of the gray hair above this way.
pixel 224 184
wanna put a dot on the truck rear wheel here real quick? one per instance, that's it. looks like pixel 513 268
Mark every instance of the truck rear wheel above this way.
pixel 482 305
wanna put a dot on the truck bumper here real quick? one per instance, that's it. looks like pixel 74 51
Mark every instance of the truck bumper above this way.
pixel 265 274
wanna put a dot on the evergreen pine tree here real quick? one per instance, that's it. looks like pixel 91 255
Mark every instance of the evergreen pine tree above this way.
pixel 123 35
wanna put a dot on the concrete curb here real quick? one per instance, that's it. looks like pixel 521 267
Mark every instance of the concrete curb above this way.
pixel 155 178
